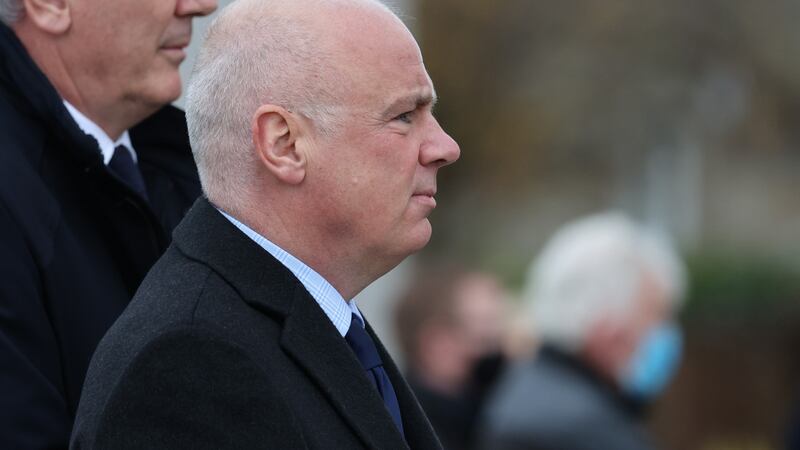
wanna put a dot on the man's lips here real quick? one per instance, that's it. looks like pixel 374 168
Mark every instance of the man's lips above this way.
pixel 426 196
pixel 175 53
pixel 427 192
pixel 175 49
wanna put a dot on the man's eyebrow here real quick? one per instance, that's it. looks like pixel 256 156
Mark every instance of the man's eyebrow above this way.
pixel 408 102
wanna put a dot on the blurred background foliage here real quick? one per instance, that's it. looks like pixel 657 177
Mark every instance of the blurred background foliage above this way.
pixel 740 290
pixel 682 113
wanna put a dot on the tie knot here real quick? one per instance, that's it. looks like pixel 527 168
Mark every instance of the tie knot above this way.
pixel 122 153
pixel 362 344
pixel 124 167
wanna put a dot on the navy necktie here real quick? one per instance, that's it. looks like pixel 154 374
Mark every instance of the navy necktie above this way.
pixel 123 166
pixel 367 354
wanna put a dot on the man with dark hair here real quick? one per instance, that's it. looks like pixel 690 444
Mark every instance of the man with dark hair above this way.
pixel 95 171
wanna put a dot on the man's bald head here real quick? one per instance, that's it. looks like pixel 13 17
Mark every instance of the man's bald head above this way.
pixel 312 122
pixel 267 52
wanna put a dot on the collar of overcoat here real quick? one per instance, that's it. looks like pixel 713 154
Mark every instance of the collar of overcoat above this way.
pixel 308 336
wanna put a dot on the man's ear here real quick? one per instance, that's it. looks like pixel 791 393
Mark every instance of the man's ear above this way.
pixel 51 16
pixel 275 133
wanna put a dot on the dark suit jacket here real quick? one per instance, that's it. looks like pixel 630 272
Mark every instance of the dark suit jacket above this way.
pixel 222 347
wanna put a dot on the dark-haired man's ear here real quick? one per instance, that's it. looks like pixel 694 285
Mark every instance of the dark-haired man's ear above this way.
pixel 51 16
pixel 275 133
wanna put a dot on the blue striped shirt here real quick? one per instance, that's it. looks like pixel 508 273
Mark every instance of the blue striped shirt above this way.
pixel 329 299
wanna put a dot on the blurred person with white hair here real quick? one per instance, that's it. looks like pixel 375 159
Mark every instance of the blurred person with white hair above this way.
pixel 603 296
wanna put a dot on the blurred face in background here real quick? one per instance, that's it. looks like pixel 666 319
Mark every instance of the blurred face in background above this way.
pixel 481 314
pixel 639 350
pixel 657 348
pixel 468 337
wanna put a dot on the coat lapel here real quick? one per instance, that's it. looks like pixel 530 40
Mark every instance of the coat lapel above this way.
pixel 311 339
pixel 206 236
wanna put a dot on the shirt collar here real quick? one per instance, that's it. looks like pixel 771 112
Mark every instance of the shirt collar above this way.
pixel 329 299
pixel 107 146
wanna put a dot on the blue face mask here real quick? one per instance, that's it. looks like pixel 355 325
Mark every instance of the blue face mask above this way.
pixel 654 362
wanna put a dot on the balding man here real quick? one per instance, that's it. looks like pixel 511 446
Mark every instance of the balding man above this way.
pixel 312 128
pixel 95 171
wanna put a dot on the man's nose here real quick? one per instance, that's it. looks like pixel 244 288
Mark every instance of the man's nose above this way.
pixel 440 150
pixel 195 7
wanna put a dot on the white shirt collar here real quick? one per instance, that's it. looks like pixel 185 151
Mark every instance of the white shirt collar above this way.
pixel 107 146
pixel 329 299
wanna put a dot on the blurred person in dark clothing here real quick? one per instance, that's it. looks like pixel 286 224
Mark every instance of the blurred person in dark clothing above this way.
pixel 95 171
pixel 603 295
pixel 450 325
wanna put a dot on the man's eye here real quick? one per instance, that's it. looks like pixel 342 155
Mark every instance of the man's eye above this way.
pixel 405 117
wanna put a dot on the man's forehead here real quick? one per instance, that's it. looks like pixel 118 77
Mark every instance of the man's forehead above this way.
pixel 377 57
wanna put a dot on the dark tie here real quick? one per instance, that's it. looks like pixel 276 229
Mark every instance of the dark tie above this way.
pixel 367 354
pixel 123 166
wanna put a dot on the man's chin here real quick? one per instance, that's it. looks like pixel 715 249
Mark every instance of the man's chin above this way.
pixel 172 88
pixel 159 93
pixel 408 242
pixel 420 236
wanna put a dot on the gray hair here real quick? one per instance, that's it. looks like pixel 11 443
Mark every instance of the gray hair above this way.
pixel 11 11
pixel 253 55
pixel 593 267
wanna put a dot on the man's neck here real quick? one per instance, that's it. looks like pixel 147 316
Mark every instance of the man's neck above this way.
pixel 347 270
pixel 114 119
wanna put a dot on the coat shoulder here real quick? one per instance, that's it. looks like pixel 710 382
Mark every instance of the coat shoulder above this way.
pixel 190 387
pixel 173 364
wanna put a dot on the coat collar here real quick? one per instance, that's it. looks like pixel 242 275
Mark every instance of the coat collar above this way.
pixel 263 282
pixel 307 336
pixel 32 94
